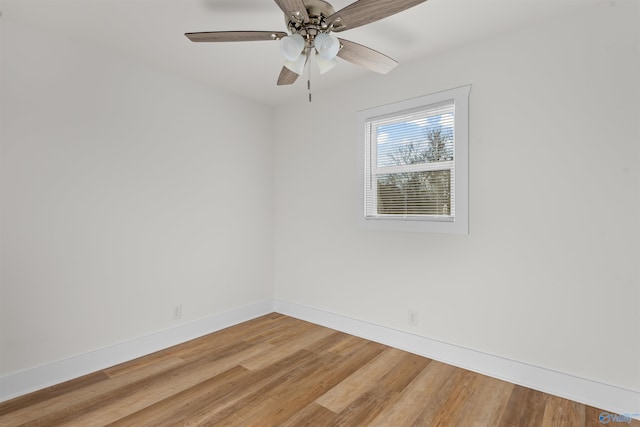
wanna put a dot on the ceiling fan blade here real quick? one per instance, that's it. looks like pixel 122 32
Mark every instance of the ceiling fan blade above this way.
pixel 294 8
pixel 366 57
pixel 364 12
pixel 287 77
pixel 235 36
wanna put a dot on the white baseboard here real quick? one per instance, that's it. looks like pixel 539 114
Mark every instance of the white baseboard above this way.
pixel 30 380
pixel 592 393
pixel 605 396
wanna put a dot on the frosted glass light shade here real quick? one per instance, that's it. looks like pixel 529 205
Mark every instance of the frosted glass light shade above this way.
pixel 297 65
pixel 325 65
pixel 292 46
pixel 327 45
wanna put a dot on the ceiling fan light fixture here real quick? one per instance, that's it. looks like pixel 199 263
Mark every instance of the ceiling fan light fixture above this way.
pixel 324 64
pixel 297 65
pixel 309 26
pixel 292 46
pixel 327 46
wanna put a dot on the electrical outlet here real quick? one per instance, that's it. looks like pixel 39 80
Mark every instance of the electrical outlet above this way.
pixel 412 318
pixel 177 312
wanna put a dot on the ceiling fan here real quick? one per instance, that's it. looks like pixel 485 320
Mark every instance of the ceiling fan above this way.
pixel 310 24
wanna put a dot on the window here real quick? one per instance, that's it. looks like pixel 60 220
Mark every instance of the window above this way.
pixel 414 164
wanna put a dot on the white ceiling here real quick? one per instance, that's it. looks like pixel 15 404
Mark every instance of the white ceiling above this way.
pixel 152 31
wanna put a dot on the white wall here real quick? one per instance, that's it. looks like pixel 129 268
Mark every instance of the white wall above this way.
pixel 125 191
pixel 549 273
pixel 117 201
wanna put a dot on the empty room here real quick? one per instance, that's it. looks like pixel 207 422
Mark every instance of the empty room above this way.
pixel 308 212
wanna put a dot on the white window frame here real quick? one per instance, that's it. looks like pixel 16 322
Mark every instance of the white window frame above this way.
pixel 459 224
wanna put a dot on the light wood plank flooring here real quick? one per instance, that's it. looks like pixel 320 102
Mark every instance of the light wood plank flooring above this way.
pixel 276 370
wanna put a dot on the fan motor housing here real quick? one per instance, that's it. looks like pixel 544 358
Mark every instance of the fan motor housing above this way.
pixel 318 11
pixel 318 8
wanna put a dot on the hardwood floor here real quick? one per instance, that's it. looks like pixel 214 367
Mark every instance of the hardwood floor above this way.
pixel 276 370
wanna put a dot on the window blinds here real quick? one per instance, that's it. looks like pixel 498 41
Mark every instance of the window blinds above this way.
pixel 409 164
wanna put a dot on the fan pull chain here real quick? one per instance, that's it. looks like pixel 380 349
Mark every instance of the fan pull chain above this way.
pixel 309 80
